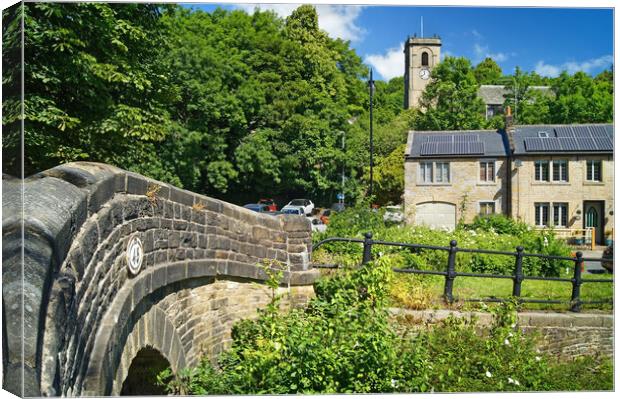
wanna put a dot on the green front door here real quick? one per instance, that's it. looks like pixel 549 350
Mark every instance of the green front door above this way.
pixel 593 219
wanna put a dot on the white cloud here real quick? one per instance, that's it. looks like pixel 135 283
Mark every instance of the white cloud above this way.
pixel 476 34
pixel 389 65
pixel 572 66
pixel 339 21
pixel 482 52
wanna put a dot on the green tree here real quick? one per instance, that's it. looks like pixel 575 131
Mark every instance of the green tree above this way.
pixel 487 72
pixel 389 177
pixel 582 99
pixel 451 100
pixel 96 87
pixel 530 105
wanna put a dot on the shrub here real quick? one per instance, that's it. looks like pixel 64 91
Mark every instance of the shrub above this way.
pixel 344 342
pixel 494 232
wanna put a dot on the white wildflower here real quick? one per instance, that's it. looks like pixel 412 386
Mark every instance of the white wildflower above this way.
pixel 511 381
pixel 277 345
pixel 509 335
pixel 517 382
pixel 394 383
pixel 506 342
pixel 488 374
pixel 513 325
pixel 537 358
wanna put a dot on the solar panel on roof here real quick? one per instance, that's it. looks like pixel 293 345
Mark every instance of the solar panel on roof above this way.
pixel 568 143
pixel 603 143
pixel 598 131
pixel 586 144
pixel 563 131
pixel 476 147
pixel 439 138
pixel 466 138
pixel 581 132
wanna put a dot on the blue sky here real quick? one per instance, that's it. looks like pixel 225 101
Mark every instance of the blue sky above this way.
pixel 545 40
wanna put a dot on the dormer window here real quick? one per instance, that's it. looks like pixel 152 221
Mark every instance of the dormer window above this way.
pixel 425 59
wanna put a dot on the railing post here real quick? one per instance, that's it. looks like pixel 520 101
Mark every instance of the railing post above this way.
pixel 447 292
pixel 516 287
pixel 367 257
pixel 575 300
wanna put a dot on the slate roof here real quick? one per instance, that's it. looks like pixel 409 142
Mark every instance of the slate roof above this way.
pixel 493 143
pixel 602 137
pixel 494 94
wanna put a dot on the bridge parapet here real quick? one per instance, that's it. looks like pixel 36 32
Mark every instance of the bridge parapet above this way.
pixel 82 305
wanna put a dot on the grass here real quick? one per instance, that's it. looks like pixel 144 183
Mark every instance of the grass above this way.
pixel 424 292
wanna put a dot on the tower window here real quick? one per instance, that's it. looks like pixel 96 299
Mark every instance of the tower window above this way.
pixel 425 59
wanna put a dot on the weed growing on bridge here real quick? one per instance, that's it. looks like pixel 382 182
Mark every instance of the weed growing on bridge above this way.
pixel 345 342
pixel 151 193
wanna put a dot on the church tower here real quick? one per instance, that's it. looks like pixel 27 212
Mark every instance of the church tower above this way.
pixel 421 56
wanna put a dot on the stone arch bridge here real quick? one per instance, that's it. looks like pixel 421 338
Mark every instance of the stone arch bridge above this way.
pixel 75 314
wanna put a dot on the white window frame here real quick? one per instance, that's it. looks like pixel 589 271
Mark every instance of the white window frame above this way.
pixel 561 214
pixel 442 175
pixel 539 176
pixel 438 175
pixel 591 163
pixel 486 162
pixel 553 164
pixel 481 204
pixel 539 216
pixel 426 172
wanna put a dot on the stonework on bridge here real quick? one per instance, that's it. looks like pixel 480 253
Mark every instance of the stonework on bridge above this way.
pixel 75 316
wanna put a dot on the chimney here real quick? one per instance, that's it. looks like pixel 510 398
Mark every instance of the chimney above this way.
pixel 509 128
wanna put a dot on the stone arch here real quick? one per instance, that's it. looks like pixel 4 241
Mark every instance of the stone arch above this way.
pixel 82 303
pixel 153 330
pixel 142 374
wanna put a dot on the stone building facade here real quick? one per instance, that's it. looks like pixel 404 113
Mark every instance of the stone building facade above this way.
pixel 544 175
pixel 442 189
pixel 566 189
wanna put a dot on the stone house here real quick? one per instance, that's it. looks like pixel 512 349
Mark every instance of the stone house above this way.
pixel 494 96
pixel 563 176
pixel 454 175
pixel 545 175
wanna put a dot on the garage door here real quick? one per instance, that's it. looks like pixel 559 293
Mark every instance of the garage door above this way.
pixel 437 215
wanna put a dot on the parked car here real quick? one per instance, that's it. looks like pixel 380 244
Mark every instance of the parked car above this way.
pixel 608 253
pixel 270 203
pixel 257 207
pixel 293 210
pixel 305 203
pixel 394 213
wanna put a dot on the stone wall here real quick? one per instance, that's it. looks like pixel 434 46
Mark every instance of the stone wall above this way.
pixel 565 335
pixel 80 301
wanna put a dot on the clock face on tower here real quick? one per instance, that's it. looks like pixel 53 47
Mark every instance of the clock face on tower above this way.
pixel 425 74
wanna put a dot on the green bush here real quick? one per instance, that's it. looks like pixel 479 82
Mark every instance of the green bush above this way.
pixel 495 232
pixel 344 342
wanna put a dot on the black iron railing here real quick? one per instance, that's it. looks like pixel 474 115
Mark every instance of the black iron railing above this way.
pixel 518 277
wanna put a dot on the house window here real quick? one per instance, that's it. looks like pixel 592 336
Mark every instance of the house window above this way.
pixel 442 172
pixel 541 171
pixel 425 59
pixel 434 172
pixel 487 208
pixel 542 213
pixel 560 214
pixel 487 171
pixel 560 171
pixel 593 170
pixel 426 172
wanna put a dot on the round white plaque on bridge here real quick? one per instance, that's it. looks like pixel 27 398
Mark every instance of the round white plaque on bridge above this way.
pixel 135 255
